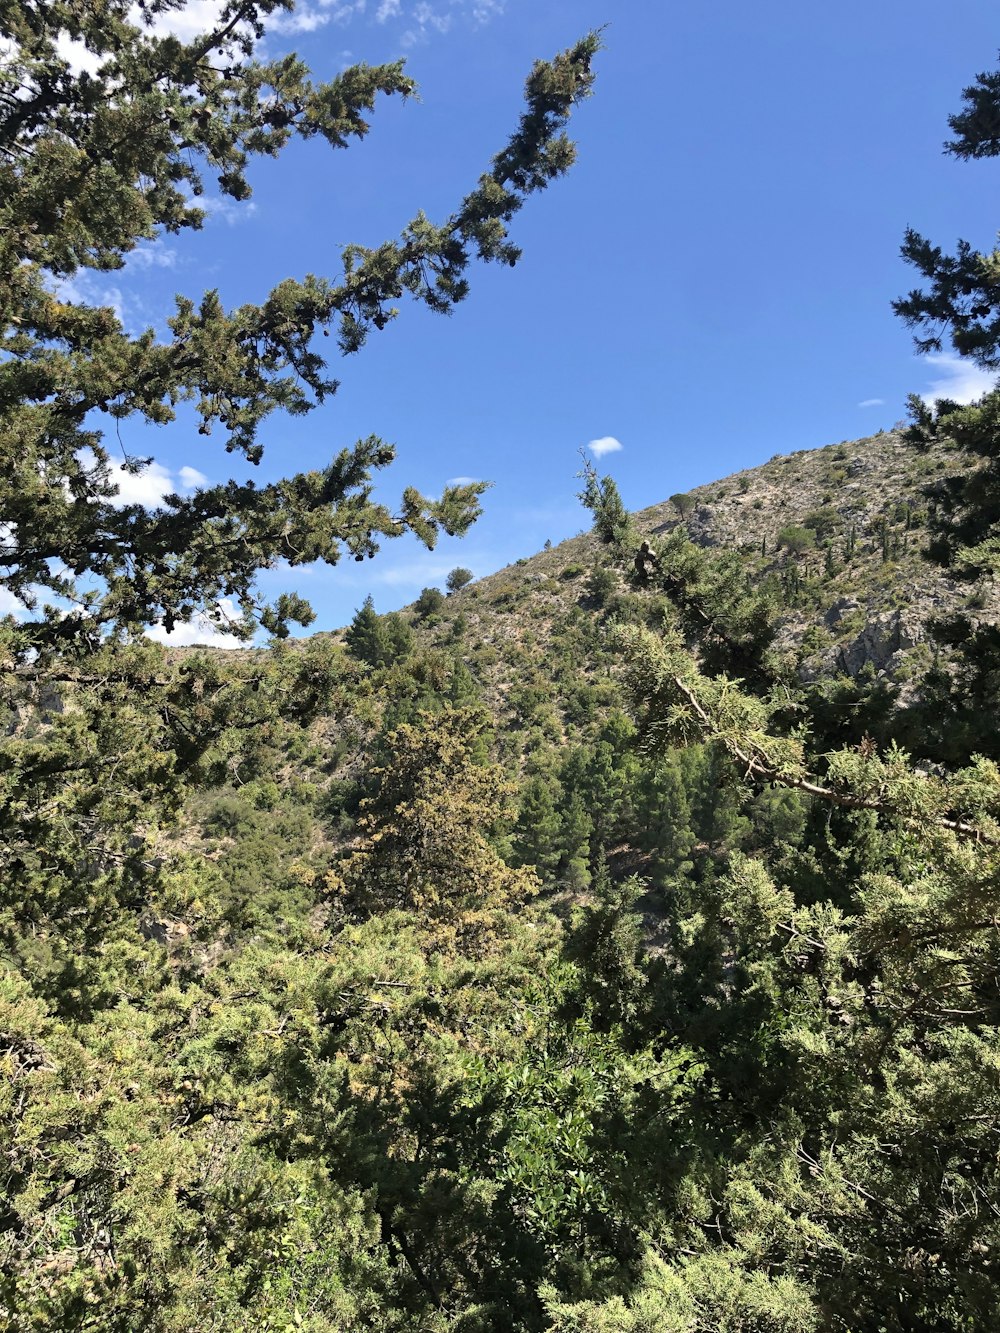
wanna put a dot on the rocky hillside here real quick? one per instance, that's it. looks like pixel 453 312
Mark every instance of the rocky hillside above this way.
pixel 841 531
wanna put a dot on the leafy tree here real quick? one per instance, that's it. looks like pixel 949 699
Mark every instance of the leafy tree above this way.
pixel 458 578
pixel 423 836
pixel 683 503
pixel 430 601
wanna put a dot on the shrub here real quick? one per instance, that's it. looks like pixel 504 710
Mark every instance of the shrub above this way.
pixel 796 539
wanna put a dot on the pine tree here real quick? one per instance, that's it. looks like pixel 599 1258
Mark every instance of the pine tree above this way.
pixel 423 836
pixel 366 636
pixel 92 164
pixel 537 835
pixel 961 299
pixel 458 579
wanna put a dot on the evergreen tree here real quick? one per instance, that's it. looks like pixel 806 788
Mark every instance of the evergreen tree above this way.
pixel 94 163
pixel 423 836
pixel 430 601
pixel 366 636
pixel 665 823
pixel 538 833
pixel 961 299
pixel 458 579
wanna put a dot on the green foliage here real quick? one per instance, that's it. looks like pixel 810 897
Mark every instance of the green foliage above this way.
pixel 290 1038
pixel 458 578
pixel 376 640
pixel 601 585
pixel 429 603
pixel 95 163
pixel 823 522
pixel 796 539
pixel 960 300
pixel 612 521
pixel 423 835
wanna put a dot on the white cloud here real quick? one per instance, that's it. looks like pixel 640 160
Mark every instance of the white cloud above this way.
pixel 141 488
pixel 301 19
pixel 607 444
pixel 153 255
pixel 344 10
pixel 871 402
pixel 76 55
pixel 461 481
pixel 388 9
pixel 958 379
pixel 11 605
pixel 428 17
pixel 148 487
pixel 201 629
pixel 85 288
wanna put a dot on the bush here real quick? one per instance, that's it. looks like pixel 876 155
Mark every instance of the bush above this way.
pixel 429 602
pixel 796 539
pixel 823 522
pixel 601 585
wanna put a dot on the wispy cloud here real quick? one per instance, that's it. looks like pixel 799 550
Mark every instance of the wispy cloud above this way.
pixel 191 478
pixel 152 254
pixel 84 289
pixel 230 211
pixel 418 19
pixel 426 16
pixel 957 379
pixel 461 481
pixel 302 19
pixel 872 402
pixel 607 444
pixel 343 11
pixel 484 10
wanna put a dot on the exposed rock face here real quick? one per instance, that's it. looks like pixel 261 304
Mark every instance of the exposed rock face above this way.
pixel 882 641
pixel 841 608
pixel 702 527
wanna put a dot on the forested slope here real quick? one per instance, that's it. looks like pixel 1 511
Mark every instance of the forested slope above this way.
pixel 608 947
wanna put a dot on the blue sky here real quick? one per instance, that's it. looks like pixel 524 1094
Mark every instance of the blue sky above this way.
pixel 708 287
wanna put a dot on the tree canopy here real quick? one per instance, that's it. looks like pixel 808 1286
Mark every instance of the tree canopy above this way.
pixel 91 164
pixel 962 299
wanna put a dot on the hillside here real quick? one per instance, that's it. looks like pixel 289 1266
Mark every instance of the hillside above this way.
pixel 506 964
pixel 862 595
